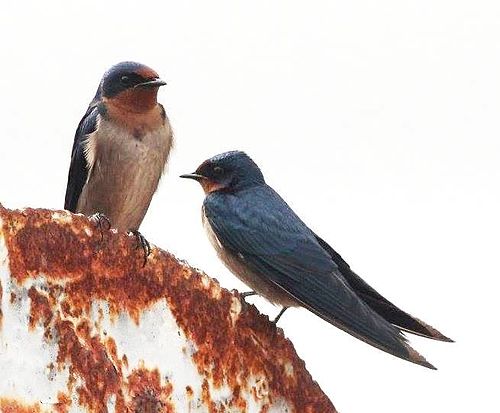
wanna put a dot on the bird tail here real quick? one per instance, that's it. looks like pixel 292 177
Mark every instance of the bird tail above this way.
pixel 332 299
pixel 380 304
pixel 401 319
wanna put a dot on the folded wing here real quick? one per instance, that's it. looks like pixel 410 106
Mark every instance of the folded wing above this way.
pixel 260 227
pixel 78 170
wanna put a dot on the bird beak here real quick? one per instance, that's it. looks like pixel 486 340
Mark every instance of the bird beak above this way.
pixel 152 83
pixel 196 177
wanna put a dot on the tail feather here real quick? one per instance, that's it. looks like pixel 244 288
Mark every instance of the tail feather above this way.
pixel 380 304
pixel 417 358
pixel 402 319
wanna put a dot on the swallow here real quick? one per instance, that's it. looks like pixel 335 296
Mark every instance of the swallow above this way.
pixel 120 149
pixel 265 244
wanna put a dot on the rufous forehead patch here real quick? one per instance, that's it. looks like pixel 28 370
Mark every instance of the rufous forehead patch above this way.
pixel 147 73
pixel 202 167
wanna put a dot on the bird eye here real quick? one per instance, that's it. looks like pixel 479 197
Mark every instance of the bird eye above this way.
pixel 218 170
pixel 125 80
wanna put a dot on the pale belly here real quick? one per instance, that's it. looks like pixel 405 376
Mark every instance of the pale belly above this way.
pixel 255 281
pixel 124 176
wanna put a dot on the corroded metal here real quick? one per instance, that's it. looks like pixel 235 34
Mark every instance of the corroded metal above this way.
pixel 85 327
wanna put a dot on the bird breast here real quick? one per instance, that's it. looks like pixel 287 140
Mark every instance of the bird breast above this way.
pixel 124 171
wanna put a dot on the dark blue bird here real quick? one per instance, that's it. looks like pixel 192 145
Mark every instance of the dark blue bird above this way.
pixel 263 242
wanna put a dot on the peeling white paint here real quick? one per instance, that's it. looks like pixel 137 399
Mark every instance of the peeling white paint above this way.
pixel 24 355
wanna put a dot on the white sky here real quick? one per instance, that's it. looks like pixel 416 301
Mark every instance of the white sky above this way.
pixel 378 121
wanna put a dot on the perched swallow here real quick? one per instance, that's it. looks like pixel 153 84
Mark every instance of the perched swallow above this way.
pixel 120 149
pixel 263 242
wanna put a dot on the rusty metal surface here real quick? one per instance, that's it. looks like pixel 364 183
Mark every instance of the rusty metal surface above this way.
pixel 85 327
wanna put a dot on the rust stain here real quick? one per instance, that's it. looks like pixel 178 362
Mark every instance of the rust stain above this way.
pixel 63 403
pixel 13 406
pixel 238 401
pixel 88 360
pixel 41 311
pixel 205 397
pixel 230 350
pixel 147 393
pixel 112 352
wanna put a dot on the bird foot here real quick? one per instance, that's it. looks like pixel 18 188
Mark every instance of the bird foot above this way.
pixel 102 222
pixel 244 295
pixel 275 321
pixel 143 243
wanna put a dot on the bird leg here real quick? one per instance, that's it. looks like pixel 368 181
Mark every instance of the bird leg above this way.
pixel 143 243
pixel 275 321
pixel 247 294
pixel 102 222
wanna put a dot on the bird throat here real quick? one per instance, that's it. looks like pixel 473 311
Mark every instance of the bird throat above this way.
pixel 136 110
pixel 210 186
pixel 136 100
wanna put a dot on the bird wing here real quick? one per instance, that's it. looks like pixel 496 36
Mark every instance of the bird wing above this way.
pixel 78 169
pixel 261 228
pixel 378 303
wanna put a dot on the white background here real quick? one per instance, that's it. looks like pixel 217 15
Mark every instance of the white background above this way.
pixel 378 121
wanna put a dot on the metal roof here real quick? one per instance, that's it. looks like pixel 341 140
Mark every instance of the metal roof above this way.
pixel 84 327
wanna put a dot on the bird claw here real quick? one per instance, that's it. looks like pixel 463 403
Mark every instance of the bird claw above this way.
pixel 244 295
pixel 275 321
pixel 143 243
pixel 102 222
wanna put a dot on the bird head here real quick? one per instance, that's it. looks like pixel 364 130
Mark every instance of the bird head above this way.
pixel 228 172
pixel 131 86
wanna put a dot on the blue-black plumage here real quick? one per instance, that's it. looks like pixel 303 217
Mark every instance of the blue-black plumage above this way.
pixel 262 241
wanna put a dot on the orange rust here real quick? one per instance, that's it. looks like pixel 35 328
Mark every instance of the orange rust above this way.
pixel 63 403
pixel 112 352
pixel 13 406
pixel 148 395
pixel 238 400
pixel 205 397
pixel 41 311
pixel 42 245
pixel 88 360
pixel 125 361
pixel 111 270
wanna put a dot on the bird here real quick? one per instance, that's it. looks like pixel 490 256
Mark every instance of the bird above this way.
pixel 267 246
pixel 120 149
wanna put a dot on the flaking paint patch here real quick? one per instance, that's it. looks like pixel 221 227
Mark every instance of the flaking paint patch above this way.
pixel 235 309
pixel 64 217
pixel 146 345
pixel 8 405
pixel 16 338
pixel 149 392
